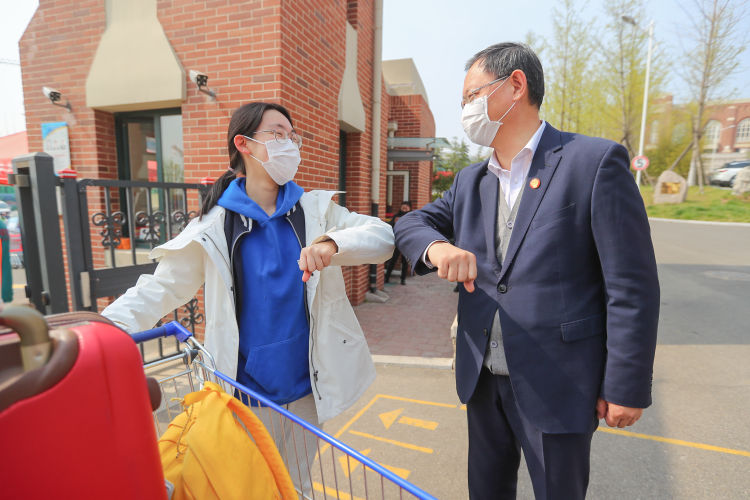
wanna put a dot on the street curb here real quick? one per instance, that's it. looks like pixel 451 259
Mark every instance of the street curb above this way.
pixel 703 222
pixel 441 363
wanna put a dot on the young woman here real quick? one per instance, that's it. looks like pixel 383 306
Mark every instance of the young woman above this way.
pixel 277 316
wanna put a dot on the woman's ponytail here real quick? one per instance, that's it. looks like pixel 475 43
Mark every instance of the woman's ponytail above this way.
pixel 216 190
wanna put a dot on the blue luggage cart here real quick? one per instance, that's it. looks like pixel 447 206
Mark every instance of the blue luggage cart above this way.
pixel 335 471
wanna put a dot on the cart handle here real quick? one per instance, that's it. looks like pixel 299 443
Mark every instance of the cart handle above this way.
pixel 165 330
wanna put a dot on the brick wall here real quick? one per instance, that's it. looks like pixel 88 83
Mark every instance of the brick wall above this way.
pixel 729 116
pixel 262 50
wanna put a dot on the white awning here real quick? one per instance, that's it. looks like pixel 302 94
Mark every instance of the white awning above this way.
pixel 351 110
pixel 134 67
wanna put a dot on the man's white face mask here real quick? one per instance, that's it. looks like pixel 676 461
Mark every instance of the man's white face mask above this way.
pixel 476 122
pixel 283 159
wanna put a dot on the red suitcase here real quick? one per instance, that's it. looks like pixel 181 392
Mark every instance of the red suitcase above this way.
pixel 80 424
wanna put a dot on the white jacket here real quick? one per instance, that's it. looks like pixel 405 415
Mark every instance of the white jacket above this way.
pixel 341 367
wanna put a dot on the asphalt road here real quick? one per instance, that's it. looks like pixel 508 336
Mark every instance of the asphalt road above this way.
pixel 693 443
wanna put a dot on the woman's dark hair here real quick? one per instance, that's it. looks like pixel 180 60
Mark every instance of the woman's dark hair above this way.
pixel 245 121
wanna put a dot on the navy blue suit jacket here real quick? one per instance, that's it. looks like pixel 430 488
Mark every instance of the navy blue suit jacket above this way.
pixel 577 292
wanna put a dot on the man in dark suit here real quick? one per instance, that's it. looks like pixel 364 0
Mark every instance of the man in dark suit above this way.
pixel 559 306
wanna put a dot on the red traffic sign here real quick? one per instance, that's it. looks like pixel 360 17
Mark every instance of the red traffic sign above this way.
pixel 639 163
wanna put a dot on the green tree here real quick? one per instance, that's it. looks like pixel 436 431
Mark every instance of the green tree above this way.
pixel 449 161
pixel 717 38
pixel 622 72
pixel 672 141
pixel 571 87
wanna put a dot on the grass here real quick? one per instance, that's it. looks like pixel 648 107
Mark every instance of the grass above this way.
pixel 715 204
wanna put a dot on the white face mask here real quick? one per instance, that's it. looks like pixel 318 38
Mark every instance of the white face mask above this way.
pixel 476 122
pixel 283 159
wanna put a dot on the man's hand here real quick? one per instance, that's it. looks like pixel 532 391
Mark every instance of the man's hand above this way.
pixel 316 257
pixel 616 415
pixel 453 264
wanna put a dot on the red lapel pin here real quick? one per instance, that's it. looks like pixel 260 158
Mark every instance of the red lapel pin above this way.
pixel 535 183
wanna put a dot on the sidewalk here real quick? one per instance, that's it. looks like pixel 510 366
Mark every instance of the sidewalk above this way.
pixel 415 321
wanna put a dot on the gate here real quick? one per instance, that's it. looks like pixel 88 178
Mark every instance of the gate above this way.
pixel 110 226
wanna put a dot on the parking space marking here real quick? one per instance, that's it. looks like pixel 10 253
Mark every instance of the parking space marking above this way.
pixel 390 416
pixel 679 442
pixel 348 468
pixel 408 446
pixel 333 492
pixel 375 398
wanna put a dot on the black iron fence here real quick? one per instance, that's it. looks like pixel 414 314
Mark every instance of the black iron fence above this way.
pixel 109 228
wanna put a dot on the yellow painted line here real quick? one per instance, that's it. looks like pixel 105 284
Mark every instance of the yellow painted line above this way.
pixel 393 442
pixel 462 407
pixel 348 468
pixel 346 465
pixel 332 492
pixel 355 417
pixel 418 422
pixel 19 286
pixel 348 424
pixel 418 401
pixel 680 442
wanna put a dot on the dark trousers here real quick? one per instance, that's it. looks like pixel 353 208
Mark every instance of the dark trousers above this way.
pixel 558 463
pixel 392 263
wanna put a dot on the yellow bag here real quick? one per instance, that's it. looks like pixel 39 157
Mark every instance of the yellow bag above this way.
pixel 207 454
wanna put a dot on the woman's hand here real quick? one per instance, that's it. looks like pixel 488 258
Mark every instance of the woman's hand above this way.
pixel 316 257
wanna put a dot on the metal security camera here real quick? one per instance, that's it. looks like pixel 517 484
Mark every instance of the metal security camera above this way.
pixel 55 96
pixel 201 80
pixel 52 94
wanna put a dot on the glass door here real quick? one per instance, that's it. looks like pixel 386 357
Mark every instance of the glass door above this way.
pixel 149 149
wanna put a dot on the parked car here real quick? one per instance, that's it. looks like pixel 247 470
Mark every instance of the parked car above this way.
pixel 725 175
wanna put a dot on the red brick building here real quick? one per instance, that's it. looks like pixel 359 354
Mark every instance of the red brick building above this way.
pixel 727 136
pixel 727 130
pixel 136 113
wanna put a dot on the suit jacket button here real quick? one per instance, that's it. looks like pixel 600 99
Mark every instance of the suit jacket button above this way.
pixel 502 288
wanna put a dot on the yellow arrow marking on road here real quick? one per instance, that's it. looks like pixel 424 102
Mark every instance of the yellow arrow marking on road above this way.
pixel 389 417
pixel 349 466
pixel 403 473
pixel 416 422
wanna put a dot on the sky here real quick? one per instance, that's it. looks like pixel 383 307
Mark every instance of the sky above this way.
pixel 439 35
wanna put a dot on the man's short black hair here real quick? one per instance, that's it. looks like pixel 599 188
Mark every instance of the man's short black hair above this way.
pixel 502 59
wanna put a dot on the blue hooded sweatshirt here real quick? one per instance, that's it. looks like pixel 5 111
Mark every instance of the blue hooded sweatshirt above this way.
pixel 273 324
